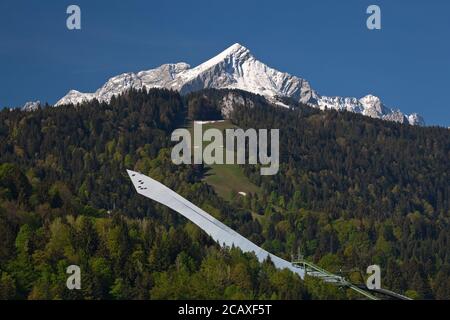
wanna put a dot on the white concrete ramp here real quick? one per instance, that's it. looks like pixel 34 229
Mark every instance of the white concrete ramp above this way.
pixel 224 235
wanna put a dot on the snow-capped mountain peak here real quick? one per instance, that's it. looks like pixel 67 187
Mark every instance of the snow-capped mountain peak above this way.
pixel 416 119
pixel 237 68
pixel 235 52
pixel 373 107
pixel 31 105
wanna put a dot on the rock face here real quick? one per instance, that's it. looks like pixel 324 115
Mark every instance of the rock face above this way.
pixel 232 100
pixel 237 68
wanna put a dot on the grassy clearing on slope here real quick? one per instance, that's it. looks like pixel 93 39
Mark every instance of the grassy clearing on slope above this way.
pixel 226 179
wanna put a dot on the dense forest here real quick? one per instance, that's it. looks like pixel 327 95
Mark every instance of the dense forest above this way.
pixel 355 191
pixel 65 199
pixel 351 191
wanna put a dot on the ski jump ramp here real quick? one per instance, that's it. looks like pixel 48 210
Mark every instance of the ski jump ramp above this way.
pixel 221 233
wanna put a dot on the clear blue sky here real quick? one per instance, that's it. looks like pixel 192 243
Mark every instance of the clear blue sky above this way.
pixel 407 63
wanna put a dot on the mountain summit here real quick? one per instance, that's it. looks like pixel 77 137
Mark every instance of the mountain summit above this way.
pixel 237 68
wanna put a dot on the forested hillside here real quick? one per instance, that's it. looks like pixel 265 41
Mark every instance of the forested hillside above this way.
pixel 351 191
pixel 65 199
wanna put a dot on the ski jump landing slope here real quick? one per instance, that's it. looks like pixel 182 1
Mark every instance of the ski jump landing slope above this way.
pixel 222 234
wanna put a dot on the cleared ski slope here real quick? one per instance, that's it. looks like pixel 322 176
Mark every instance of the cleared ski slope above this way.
pixel 221 233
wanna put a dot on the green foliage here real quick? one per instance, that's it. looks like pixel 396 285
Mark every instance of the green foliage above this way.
pixel 7 286
pixel 201 107
pixel 14 184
